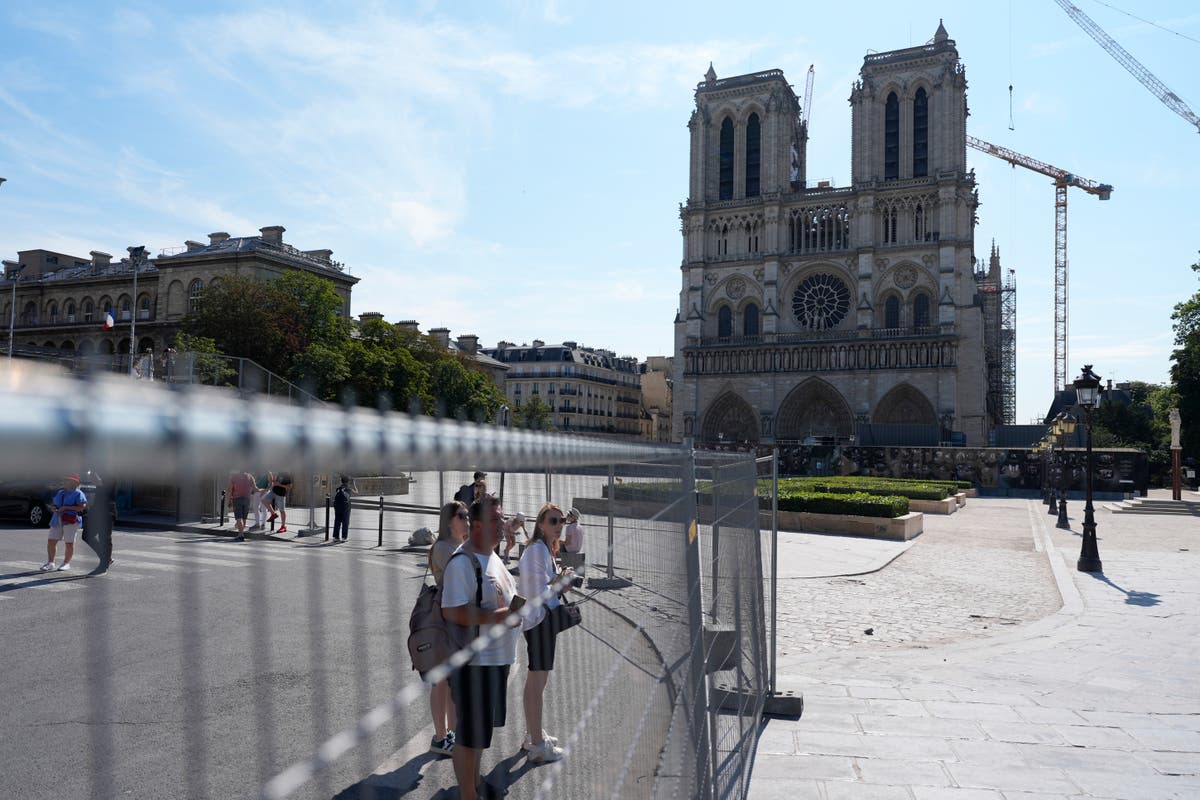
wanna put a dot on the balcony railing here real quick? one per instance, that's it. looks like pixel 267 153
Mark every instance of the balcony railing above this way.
pixel 810 337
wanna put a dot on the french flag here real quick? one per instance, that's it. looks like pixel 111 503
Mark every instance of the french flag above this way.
pixel 109 322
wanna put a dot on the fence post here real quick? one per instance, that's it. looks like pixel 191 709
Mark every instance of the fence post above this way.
pixel 327 518
pixel 774 561
pixel 612 492
pixel 381 520
pixel 697 709
pixel 715 546
pixel 222 525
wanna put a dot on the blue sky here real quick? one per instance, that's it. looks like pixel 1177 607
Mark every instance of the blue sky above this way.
pixel 514 168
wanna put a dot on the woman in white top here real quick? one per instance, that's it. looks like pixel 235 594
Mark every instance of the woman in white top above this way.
pixel 453 528
pixel 537 574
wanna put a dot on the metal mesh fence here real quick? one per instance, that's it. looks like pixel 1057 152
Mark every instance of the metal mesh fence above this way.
pixel 200 667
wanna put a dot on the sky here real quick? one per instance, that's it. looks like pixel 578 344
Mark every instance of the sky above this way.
pixel 514 168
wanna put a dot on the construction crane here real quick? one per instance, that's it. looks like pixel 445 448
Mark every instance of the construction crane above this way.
pixel 1168 98
pixel 800 143
pixel 1062 181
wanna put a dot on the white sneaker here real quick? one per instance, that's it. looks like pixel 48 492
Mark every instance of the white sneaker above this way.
pixel 544 753
pixel 48 566
pixel 66 565
pixel 527 743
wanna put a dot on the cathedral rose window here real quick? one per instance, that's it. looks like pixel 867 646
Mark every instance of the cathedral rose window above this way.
pixel 820 302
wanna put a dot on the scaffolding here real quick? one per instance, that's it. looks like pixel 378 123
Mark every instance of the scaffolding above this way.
pixel 998 295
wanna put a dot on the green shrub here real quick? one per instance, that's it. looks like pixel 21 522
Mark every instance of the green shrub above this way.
pixel 858 504
pixel 883 487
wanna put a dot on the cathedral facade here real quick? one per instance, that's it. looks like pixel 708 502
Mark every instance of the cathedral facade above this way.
pixel 806 311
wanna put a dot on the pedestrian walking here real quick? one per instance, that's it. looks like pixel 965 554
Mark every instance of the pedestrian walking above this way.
pixel 573 533
pixel 281 487
pixel 453 529
pixel 240 491
pixel 475 607
pixel 537 577
pixel 515 523
pixel 68 506
pixel 96 525
pixel 264 500
pixel 341 507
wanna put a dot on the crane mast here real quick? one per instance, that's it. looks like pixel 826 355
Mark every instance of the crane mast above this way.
pixel 1135 68
pixel 1062 181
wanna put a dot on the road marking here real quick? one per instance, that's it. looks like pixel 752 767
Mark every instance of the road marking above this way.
pixel 217 562
pixel 43 582
pixel 222 549
pixel 126 561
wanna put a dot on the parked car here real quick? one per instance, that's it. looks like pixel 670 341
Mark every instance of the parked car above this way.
pixel 28 500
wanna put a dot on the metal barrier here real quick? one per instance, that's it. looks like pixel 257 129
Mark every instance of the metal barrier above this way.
pixel 293 679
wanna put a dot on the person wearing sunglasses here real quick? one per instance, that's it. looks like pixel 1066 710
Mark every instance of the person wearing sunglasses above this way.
pixel 537 574
pixel 453 527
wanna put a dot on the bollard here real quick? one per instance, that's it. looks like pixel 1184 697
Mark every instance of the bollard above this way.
pixel 222 525
pixel 327 518
pixel 381 520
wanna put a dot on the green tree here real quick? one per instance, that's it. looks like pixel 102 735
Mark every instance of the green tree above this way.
pixel 1185 371
pixel 250 319
pixel 322 370
pixel 198 359
pixel 319 306
pixel 534 414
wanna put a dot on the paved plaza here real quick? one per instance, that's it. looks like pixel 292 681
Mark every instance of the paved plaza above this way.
pixel 995 669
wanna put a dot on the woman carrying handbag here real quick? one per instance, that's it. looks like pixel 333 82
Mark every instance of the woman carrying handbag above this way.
pixel 537 575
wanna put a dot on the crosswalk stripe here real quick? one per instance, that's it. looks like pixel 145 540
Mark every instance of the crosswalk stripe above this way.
pixel 223 549
pixel 216 562
pixel 125 561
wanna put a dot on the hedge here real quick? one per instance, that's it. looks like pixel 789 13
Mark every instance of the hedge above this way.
pixel 883 487
pixel 859 503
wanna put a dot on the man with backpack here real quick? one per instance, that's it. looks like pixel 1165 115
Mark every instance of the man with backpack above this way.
pixel 467 493
pixel 474 607
pixel 341 507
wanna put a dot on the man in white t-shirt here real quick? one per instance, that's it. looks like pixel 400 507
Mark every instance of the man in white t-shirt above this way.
pixel 476 597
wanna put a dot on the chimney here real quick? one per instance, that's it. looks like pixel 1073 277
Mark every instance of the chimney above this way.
pixel 469 343
pixel 9 268
pixel 319 255
pixel 538 343
pixel 272 234
pixel 503 345
pixel 408 325
pixel 100 259
pixel 570 345
pixel 218 237
pixel 192 245
pixel 367 316
pixel 442 335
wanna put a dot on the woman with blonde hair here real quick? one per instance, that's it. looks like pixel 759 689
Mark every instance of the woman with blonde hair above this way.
pixel 537 573
pixel 453 528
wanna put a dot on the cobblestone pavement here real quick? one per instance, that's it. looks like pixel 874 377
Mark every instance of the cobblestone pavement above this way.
pixel 968 575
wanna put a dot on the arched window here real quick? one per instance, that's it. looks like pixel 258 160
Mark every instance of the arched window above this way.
pixel 70 311
pixel 144 307
pixel 920 134
pixel 724 322
pixel 750 320
pixel 194 290
pixel 126 307
pixel 725 190
pixel 52 312
pixel 921 311
pixel 891 312
pixel 753 155
pixel 89 310
pixel 30 315
pixel 891 138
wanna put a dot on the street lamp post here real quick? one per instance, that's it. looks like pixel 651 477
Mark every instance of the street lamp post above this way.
pixel 1087 395
pixel 135 259
pixel 12 311
pixel 1066 426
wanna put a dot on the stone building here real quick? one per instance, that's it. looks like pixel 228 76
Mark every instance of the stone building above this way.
pixel 589 390
pixel 62 300
pixel 656 399
pixel 807 310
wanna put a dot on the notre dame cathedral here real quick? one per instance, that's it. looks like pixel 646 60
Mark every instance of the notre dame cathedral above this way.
pixel 807 311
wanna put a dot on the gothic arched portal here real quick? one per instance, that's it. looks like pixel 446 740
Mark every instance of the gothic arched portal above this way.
pixel 730 419
pixel 905 405
pixel 814 408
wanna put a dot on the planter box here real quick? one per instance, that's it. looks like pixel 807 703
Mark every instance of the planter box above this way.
pixel 961 497
pixel 909 526
pixel 947 506
pixel 899 529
